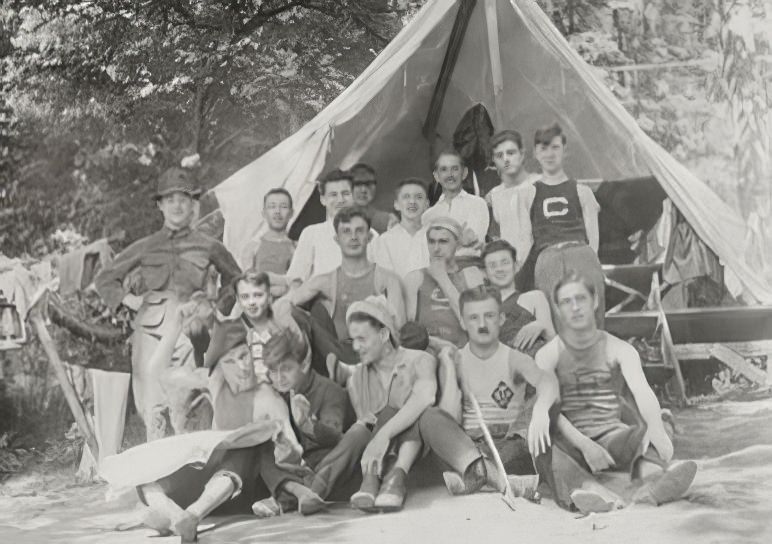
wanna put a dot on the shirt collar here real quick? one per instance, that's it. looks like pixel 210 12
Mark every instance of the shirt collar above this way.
pixel 184 231
pixel 462 194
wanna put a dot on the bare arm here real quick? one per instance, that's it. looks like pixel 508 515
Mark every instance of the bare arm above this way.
pixel 413 282
pixel 396 298
pixel 524 237
pixel 451 396
pixel 645 399
pixel 421 398
pixel 308 290
pixel 547 394
pixel 590 208
pixel 536 302
pixel 545 382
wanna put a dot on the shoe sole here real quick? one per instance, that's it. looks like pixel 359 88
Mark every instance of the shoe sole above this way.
pixel 588 502
pixel 674 483
pixel 389 502
pixel 364 502
pixel 308 508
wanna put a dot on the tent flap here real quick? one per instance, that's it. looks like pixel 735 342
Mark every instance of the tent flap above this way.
pixel 532 79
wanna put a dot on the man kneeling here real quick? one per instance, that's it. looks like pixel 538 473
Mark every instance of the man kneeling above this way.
pixel 494 375
pixel 609 448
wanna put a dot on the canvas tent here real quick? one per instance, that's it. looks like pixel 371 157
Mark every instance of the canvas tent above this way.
pixel 507 56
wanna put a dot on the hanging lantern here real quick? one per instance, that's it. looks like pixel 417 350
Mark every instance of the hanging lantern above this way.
pixel 12 331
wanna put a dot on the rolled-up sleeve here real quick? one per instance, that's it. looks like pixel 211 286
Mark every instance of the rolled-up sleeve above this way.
pixel 479 218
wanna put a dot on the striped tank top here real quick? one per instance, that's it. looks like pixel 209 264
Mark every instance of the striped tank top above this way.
pixel 590 387
pixel 501 394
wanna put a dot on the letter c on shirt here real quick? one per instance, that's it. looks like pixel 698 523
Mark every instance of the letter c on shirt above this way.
pixel 551 206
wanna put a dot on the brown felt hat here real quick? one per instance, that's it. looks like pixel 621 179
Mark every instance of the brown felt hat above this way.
pixel 177 179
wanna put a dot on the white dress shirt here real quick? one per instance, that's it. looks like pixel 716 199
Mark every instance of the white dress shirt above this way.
pixel 398 250
pixel 317 252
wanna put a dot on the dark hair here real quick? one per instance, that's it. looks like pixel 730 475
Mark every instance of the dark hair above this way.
pixel 284 345
pixel 347 214
pixel 545 135
pixel 498 245
pixel 278 191
pixel 362 167
pixel 254 277
pixel 573 276
pixel 506 136
pixel 410 181
pixel 334 175
pixel 478 294
pixel 449 151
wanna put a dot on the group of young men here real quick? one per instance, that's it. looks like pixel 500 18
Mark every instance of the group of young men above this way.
pixel 383 335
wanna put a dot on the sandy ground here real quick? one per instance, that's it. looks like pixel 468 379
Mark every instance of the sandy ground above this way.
pixel 730 502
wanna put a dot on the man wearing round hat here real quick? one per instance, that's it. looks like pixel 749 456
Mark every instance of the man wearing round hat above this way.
pixel 174 268
pixel 431 294
pixel 389 390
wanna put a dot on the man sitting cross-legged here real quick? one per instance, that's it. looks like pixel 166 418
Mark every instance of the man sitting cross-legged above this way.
pixel 600 428
pixel 431 294
pixel 495 375
pixel 527 317
pixel 355 279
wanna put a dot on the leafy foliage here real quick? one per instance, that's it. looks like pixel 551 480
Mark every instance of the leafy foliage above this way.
pixel 102 96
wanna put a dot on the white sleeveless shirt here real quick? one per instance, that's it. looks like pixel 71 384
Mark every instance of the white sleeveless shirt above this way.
pixel 501 394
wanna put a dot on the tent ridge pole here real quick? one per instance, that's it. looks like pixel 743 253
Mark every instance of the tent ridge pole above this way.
pixel 455 41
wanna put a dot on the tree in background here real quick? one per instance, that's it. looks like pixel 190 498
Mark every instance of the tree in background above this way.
pixel 102 96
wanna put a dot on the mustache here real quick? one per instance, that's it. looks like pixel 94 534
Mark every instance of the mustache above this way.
pixel 483 330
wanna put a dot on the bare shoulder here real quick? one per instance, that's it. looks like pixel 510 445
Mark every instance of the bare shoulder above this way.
pixel 473 276
pixel 421 359
pixel 548 354
pixel 532 299
pixel 519 360
pixel 620 349
pixel 414 279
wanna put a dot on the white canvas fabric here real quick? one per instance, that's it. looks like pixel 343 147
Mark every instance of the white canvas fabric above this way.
pixel 526 75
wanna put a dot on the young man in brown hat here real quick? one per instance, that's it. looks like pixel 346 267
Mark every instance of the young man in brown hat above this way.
pixel 173 264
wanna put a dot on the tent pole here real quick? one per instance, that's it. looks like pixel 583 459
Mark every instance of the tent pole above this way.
pixel 36 318
pixel 448 64
pixel 494 53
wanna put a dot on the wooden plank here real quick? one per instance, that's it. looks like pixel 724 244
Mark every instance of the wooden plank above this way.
pixel 702 350
pixel 737 362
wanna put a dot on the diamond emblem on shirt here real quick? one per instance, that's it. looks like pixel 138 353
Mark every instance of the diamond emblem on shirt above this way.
pixel 502 395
